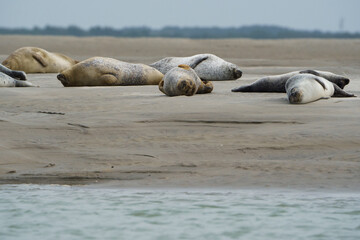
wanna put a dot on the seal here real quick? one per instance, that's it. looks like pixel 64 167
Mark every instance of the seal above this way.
pixel 102 71
pixel 183 80
pixel 37 60
pixel 7 81
pixel 276 83
pixel 14 74
pixel 305 88
pixel 212 69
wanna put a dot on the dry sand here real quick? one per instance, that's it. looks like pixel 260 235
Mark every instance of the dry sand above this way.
pixel 138 137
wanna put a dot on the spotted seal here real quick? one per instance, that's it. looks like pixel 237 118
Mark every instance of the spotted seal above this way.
pixel 37 60
pixel 305 88
pixel 276 83
pixel 102 71
pixel 7 81
pixel 212 69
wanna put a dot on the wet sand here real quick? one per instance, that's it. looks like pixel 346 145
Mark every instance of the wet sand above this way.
pixel 137 137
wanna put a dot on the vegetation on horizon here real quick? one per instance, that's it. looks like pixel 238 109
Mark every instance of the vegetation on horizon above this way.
pixel 255 32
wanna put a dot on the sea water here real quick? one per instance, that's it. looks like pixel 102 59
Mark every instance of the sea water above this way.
pixel 65 212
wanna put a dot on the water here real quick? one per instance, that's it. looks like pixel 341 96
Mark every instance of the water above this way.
pixel 64 212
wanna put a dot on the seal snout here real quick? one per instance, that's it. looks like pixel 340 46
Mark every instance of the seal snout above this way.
pixel 61 77
pixel 295 96
pixel 187 87
pixel 237 73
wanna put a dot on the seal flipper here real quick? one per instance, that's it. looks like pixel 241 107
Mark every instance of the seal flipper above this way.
pixel 197 61
pixel 39 59
pixel 321 83
pixel 341 93
pixel 313 72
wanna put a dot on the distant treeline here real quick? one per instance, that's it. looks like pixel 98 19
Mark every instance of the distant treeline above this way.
pixel 255 32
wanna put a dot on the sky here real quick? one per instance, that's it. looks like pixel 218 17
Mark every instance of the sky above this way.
pixel 324 15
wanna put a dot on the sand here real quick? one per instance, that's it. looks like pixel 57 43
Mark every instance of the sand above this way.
pixel 137 137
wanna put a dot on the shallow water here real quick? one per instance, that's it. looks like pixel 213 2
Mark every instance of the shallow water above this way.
pixel 64 212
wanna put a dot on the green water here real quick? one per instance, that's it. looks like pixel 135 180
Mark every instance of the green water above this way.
pixel 64 212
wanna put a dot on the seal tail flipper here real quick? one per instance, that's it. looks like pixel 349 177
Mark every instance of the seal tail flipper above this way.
pixel 14 74
pixel 341 93
pixel 246 88
pixel 19 83
pixel 19 75
pixel 205 87
pixel 197 61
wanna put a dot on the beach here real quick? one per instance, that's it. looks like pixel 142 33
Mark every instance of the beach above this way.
pixel 136 137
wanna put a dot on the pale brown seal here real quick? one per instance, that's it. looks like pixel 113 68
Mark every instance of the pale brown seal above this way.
pixel 101 71
pixel 37 60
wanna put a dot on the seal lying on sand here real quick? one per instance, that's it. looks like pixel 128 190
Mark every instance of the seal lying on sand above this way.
pixel 101 71
pixel 305 88
pixel 182 80
pixel 212 69
pixel 276 83
pixel 14 74
pixel 7 81
pixel 37 60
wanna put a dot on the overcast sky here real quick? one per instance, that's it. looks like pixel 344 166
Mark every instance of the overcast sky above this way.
pixel 325 15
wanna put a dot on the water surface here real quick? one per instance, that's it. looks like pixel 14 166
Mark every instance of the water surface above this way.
pixel 64 212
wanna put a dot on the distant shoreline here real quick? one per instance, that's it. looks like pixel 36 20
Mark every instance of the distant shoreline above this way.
pixel 252 32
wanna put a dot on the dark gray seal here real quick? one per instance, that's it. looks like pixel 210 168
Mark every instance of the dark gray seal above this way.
pixel 212 69
pixel 276 83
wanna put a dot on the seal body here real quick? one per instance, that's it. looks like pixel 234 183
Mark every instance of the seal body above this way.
pixel 7 81
pixel 276 83
pixel 101 71
pixel 37 60
pixel 305 88
pixel 211 69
